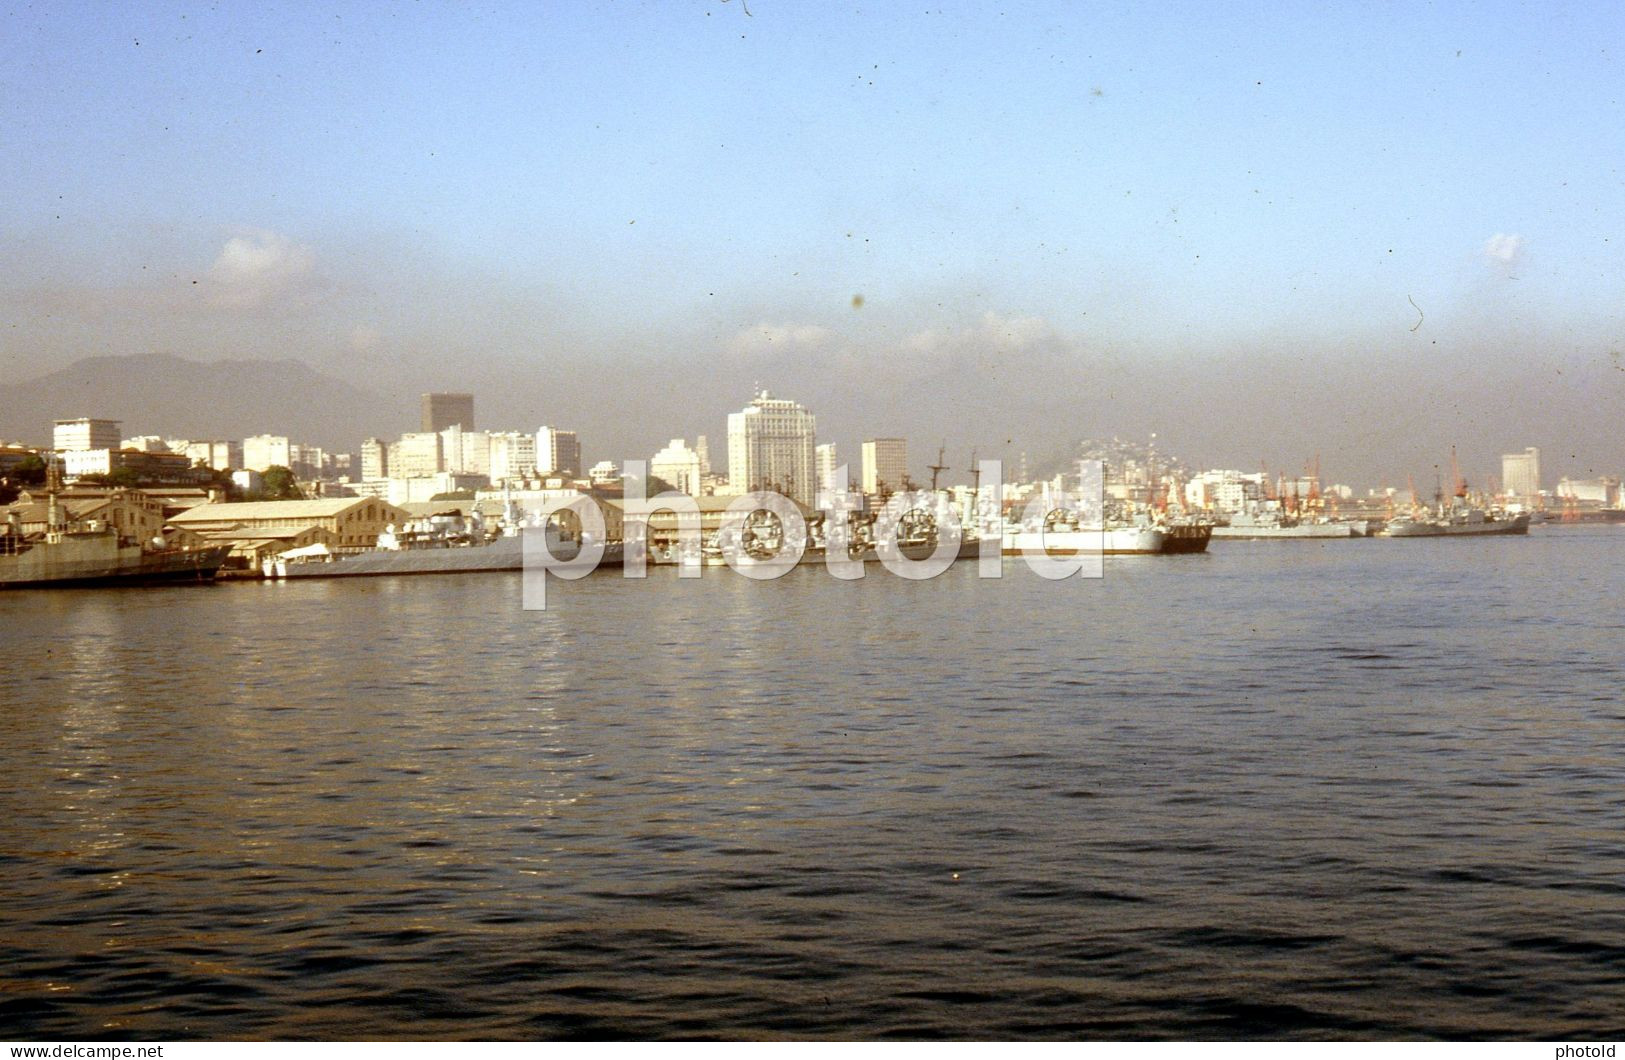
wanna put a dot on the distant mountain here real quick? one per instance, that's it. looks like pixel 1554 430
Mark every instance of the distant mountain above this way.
pixel 179 398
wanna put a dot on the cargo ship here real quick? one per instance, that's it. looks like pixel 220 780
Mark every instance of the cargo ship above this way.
pixel 1103 541
pixel 1132 539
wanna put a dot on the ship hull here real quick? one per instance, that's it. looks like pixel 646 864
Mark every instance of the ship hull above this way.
pixel 1187 538
pixel 503 554
pixel 1301 532
pixel 1518 525
pixel 1118 541
pixel 82 561
pixel 969 548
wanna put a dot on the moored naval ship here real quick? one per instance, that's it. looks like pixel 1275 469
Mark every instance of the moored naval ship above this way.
pixel 504 553
pixel 1457 521
pixel 94 554
pixel 1455 515
pixel 1272 526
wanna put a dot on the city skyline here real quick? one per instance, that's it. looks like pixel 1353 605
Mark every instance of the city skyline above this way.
pixel 773 449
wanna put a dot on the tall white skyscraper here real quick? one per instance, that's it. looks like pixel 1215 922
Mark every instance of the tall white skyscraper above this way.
pixel 374 459
pixel 885 465
pixel 771 445
pixel 1520 473
pixel 476 453
pixel 513 455
pixel 451 448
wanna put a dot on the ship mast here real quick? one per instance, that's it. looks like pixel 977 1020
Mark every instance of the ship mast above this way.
pixel 939 467
pixel 55 525
pixel 975 519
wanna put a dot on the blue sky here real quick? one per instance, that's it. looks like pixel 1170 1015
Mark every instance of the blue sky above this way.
pixel 634 182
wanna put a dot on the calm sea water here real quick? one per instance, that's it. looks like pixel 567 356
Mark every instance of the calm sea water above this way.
pixel 1361 789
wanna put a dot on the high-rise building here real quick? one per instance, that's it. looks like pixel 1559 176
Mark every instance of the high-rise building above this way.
pixel 446 410
pixel 266 451
pixel 678 466
pixel 703 448
pixel 1520 473
pixel 309 461
pixel 219 455
pixel 1227 491
pixel 885 465
pixel 558 451
pixel 71 435
pixel 416 455
pixel 827 461
pixel 513 455
pixel 374 459
pixel 771 445
pixel 466 452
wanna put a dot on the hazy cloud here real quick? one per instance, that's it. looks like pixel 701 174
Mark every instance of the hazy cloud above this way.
pixel 993 333
pixel 779 339
pixel 1504 250
pixel 257 266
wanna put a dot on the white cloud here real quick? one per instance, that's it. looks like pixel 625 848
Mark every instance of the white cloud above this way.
pixel 1503 249
pixel 779 338
pixel 1014 333
pixel 992 333
pixel 256 266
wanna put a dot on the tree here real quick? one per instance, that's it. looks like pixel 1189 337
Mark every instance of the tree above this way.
pixel 280 485
pixel 29 471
